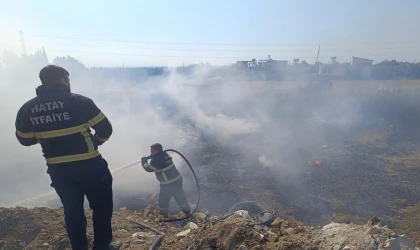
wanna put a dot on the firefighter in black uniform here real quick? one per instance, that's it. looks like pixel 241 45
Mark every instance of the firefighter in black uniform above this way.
pixel 169 177
pixel 60 122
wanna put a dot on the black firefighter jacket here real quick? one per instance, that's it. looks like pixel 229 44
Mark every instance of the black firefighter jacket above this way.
pixel 165 170
pixel 60 122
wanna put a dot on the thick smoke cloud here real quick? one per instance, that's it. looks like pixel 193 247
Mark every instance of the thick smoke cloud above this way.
pixel 181 112
pixel 141 113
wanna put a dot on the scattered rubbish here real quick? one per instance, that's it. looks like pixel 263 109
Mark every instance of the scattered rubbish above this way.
pixel 253 208
pixel 191 225
pixel 237 232
pixel 267 219
pixel 142 235
pixel 243 213
pixel 276 223
pixel 201 216
pixel 183 233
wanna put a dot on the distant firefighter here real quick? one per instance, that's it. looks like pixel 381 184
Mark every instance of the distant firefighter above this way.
pixel 169 177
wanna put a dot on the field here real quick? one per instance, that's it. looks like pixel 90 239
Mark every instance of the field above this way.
pixel 367 168
pixel 342 85
pixel 343 157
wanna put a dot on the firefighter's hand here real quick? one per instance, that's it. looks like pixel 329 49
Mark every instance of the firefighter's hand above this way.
pixel 143 159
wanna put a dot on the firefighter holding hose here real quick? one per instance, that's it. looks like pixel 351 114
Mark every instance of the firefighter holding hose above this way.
pixel 169 177
pixel 60 122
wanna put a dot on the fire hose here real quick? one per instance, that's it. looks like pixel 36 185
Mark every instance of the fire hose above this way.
pixel 136 162
pixel 192 170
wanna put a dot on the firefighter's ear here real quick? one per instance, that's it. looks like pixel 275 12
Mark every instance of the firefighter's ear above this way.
pixel 65 81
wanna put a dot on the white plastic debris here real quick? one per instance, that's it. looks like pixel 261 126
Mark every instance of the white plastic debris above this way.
pixel 183 233
pixel 141 235
pixel 243 213
pixel 201 216
pixel 191 225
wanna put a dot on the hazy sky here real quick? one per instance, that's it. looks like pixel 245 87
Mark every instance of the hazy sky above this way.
pixel 172 32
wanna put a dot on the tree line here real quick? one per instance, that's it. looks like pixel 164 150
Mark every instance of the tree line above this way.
pixel 385 70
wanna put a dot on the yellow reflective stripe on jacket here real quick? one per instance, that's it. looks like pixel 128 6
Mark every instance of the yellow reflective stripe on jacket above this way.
pixel 25 135
pixel 102 140
pixel 164 169
pixel 95 120
pixel 165 177
pixel 61 132
pixel 147 165
pixel 88 140
pixel 71 158
pixel 170 181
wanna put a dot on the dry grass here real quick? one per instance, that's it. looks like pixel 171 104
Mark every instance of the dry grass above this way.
pixel 377 138
pixel 373 85
pixel 344 86
pixel 338 204
pixel 406 162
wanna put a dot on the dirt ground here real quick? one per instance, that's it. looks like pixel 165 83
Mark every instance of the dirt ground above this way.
pixel 43 228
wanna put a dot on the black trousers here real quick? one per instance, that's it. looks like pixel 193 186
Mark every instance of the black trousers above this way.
pixel 72 182
pixel 167 191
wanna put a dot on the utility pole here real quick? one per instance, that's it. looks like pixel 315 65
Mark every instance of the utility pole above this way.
pixel 319 47
pixel 22 43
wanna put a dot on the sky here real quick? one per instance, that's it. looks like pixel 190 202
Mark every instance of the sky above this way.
pixel 168 33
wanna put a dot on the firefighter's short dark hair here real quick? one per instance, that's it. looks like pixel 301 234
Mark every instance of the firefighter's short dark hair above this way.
pixel 51 74
pixel 157 146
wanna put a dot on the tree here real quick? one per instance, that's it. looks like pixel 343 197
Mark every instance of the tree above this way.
pixel 70 64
